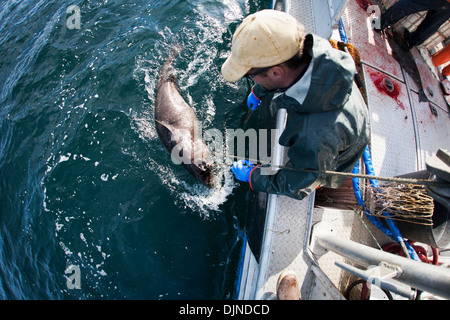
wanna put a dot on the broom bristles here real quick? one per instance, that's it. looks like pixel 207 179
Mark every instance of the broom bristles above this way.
pixel 405 202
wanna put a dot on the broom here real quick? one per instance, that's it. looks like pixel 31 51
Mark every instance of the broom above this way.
pixel 411 202
pixel 403 202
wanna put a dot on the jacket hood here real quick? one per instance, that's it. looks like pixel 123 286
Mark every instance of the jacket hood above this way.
pixel 328 81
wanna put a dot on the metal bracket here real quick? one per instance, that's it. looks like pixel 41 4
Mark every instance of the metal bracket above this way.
pixel 381 276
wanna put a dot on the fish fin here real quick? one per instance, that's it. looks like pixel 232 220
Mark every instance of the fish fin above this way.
pixel 165 125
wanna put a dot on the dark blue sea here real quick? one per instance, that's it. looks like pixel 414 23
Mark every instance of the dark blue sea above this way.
pixel 91 205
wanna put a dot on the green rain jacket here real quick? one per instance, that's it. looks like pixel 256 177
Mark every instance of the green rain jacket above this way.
pixel 327 124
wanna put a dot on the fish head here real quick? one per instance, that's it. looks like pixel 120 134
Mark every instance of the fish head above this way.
pixel 203 167
pixel 205 173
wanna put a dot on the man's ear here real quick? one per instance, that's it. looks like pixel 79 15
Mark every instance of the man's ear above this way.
pixel 277 71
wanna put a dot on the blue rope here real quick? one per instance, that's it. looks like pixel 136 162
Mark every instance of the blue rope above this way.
pixel 392 231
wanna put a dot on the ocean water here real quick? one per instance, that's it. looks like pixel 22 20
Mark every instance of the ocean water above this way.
pixel 91 206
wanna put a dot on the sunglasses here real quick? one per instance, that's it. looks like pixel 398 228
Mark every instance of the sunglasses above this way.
pixel 251 76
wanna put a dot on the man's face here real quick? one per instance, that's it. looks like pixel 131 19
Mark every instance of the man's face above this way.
pixel 269 77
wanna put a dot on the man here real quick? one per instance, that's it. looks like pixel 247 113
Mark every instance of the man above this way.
pixel 327 124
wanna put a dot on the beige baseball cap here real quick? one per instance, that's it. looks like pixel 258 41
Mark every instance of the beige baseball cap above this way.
pixel 265 38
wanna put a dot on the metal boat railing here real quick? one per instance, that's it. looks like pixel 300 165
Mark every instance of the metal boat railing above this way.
pixel 386 270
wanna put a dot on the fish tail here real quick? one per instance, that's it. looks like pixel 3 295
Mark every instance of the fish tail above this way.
pixel 166 73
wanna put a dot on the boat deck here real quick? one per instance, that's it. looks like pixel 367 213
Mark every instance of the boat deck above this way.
pixel 404 133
